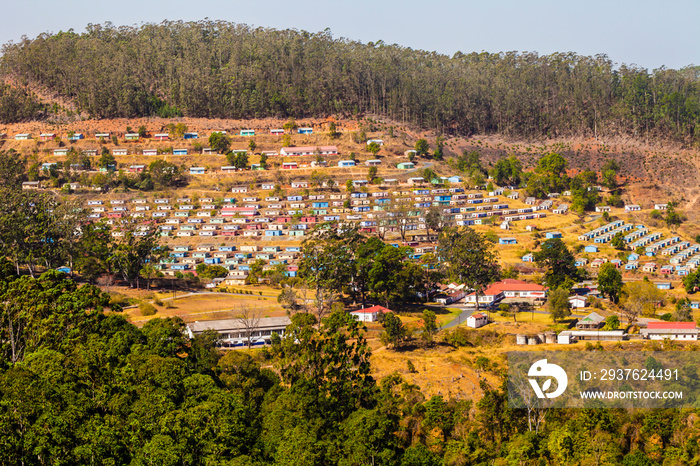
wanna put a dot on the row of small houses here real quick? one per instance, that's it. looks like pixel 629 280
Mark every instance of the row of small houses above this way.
pixel 240 332
pixel 590 328
pixel 161 136
pixel 313 210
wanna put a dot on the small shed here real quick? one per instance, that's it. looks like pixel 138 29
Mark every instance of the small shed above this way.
pixel 477 320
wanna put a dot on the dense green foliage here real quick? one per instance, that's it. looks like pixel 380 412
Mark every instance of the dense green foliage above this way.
pixel 79 386
pixel 559 264
pixel 18 105
pixel 225 70
pixel 341 260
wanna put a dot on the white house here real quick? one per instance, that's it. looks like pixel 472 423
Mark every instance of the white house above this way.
pixel 308 150
pixel 370 314
pixel 509 288
pixel 685 331
pixel 234 333
pixel 477 320
pixel 578 302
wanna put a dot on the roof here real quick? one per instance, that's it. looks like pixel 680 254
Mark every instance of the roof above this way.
pixel 593 317
pixel 478 315
pixel 510 284
pixel 310 148
pixel 670 325
pixel 586 333
pixel 372 310
pixel 669 331
pixel 235 324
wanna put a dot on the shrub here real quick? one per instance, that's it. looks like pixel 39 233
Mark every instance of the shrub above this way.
pixel 147 309
pixel 411 367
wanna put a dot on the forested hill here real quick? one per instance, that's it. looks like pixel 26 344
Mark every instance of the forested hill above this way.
pixel 226 70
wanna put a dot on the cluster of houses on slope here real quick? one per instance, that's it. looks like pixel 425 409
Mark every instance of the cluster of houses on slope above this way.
pixel 239 332
pixel 131 136
pixel 238 221
pixel 590 328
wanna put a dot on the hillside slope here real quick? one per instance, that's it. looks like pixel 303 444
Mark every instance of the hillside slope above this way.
pixel 225 70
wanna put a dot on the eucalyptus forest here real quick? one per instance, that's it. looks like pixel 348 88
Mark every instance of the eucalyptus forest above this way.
pixel 217 69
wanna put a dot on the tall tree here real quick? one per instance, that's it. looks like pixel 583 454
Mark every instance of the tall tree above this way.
pixel 558 261
pixel 610 281
pixel 135 247
pixel 469 258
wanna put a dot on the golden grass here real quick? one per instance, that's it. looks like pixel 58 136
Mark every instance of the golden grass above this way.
pixel 208 307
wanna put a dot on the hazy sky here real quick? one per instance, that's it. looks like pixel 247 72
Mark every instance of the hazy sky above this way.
pixel 643 32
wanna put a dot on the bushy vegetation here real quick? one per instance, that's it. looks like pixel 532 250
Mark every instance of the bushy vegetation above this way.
pixel 80 386
pixel 225 70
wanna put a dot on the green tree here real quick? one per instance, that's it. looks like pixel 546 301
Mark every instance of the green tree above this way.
pixel 609 174
pixel 219 142
pixel 558 304
pixel 430 327
pixel 673 218
pixel 31 229
pixel 165 174
pixel 552 170
pixel 691 282
pixel 95 250
pixel 439 148
pixel 422 148
pixel 618 242
pixel 558 261
pixel 508 171
pixel 50 312
pixel 610 281
pixel 238 159
pixel 640 298
pixel 392 278
pixel 394 332
pixel 612 323
pixel 252 146
pixel 469 258
pixel 373 148
pixel 13 170
pixel 290 125
pixel 435 219
pixel 372 173
pixel 332 130
pixel 133 251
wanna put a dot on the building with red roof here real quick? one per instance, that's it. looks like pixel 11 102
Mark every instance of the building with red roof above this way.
pixel 370 314
pixel 685 331
pixel 476 320
pixel 509 288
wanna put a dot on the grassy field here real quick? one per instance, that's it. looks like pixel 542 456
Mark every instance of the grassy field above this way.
pixel 199 307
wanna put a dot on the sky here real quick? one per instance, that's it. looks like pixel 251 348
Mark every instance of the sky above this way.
pixel 646 33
